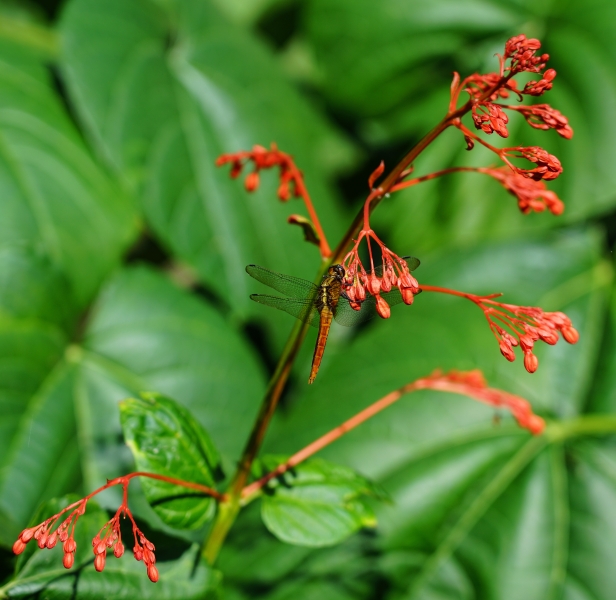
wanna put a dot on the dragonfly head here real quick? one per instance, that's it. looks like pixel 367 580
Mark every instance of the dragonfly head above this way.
pixel 337 271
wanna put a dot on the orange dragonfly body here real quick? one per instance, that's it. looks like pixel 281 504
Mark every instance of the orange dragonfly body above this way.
pixel 317 305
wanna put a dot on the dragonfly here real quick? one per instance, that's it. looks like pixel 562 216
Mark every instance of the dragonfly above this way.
pixel 318 305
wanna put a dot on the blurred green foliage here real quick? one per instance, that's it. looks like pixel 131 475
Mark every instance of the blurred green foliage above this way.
pixel 122 255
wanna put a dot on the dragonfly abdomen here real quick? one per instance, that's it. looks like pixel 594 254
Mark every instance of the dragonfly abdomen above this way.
pixel 324 324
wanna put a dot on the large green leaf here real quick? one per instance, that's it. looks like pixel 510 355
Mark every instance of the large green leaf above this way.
pixel 54 196
pixel 317 504
pixel 166 440
pixel 163 89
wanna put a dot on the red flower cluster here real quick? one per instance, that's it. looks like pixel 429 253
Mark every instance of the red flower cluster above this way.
pixel 522 53
pixel 291 179
pixel 490 117
pixel 543 116
pixel 47 537
pixel 548 166
pixel 108 537
pixel 473 384
pixel 525 326
pixel 531 194
pixel 291 184
pixel 111 537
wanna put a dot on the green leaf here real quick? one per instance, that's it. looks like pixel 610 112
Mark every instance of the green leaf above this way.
pixel 318 504
pixel 163 96
pixel 165 439
pixel 55 197
pixel 41 571
pixel 39 456
pixel 32 288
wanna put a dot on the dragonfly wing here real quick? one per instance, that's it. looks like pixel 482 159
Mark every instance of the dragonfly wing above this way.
pixel 346 315
pixel 304 310
pixel 286 284
pixel 411 261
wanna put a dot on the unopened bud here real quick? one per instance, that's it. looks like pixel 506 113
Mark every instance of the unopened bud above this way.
pixel 355 305
pixel 68 560
pixel 531 362
pixel 99 562
pixel 42 540
pixel 535 424
pixel 527 342
pixel 407 296
pixel 118 550
pixel 283 191
pixel 51 540
pixel 251 183
pixel 138 552
pixel 19 546
pixel 70 545
pixel 153 573
pixel 570 334
pixel 27 534
pixel 360 292
pixel 374 285
pixel 507 351
pixel 101 547
pixel 386 283
pixel 382 308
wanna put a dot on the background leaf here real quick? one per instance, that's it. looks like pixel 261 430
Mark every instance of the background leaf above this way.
pixel 55 197
pixel 165 439
pixel 317 504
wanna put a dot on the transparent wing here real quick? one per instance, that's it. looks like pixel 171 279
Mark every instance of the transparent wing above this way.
pixel 304 310
pixel 286 284
pixel 347 316
pixel 411 261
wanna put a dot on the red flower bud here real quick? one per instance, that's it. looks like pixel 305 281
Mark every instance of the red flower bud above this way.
pixel 535 424
pixel 70 545
pixel 506 351
pixel 100 548
pixel 27 534
pixel 99 562
pixel 251 183
pixel 51 540
pixel 382 308
pixel 118 550
pixel 570 334
pixel 153 573
pixel 19 546
pixel 374 285
pixel 68 560
pixel 407 295
pixel 531 362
